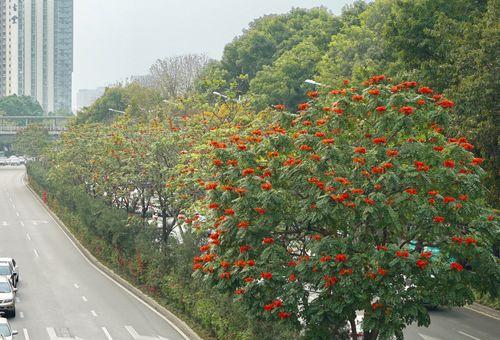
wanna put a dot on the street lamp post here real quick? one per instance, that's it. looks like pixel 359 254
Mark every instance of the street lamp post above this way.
pixel 118 111
pixel 312 82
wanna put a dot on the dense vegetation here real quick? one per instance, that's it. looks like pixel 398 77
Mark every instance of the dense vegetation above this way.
pixel 19 106
pixel 296 219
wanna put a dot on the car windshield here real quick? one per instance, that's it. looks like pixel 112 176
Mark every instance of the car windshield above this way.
pixel 5 270
pixel 5 287
pixel 4 330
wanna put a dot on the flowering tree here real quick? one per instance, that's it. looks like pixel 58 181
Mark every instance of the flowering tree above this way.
pixel 333 210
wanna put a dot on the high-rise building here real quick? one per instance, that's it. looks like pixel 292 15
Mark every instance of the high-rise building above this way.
pixel 41 51
pixel 9 43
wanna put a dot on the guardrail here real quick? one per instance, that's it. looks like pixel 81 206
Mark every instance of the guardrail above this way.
pixel 11 125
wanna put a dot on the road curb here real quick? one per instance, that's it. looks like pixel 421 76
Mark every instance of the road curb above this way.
pixel 180 326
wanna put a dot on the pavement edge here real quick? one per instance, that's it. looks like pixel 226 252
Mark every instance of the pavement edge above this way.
pixel 180 325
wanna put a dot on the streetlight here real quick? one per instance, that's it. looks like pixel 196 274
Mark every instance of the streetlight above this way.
pixel 221 95
pixel 118 111
pixel 312 82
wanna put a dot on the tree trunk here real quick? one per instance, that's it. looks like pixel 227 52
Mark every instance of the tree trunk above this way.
pixel 354 331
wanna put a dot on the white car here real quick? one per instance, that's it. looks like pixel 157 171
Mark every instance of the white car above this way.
pixel 14 161
pixel 15 269
pixel 7 297
pixel 6 331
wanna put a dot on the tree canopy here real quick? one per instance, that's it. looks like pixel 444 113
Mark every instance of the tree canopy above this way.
pixel 20 106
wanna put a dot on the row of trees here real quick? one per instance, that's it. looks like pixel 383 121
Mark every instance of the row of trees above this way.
pixel 303 210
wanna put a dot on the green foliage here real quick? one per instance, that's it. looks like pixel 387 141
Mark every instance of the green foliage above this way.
pixel 132 98
pixel 283 81
pixel 32 141
pixel 20 106
pixel 269 37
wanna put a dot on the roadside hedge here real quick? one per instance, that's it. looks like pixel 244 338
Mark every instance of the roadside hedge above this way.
pixel 124 244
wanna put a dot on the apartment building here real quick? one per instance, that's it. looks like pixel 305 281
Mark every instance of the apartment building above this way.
pixel 38 52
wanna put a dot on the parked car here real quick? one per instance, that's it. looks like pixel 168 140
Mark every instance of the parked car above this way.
pixel 15 269
pixel 3 161
pixel 7 272
pixel 14 161
pixel 6 332
pixel 7 297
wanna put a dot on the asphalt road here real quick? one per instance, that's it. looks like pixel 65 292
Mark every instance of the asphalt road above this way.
pixel 471 322
pixel 61 295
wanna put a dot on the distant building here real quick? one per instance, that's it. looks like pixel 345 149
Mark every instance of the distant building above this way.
pixel 37 59
pixel 144 80
pixel 87 97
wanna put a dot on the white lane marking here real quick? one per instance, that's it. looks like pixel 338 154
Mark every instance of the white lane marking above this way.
pixel 173 325
pixel 84 299
pixel 17 300
pixel 137 336
pixel 10 199
pixel 13 206
pixel 28 236
pixel 22 223
pixel 25 332
pixel 93 313
pixel 52 333
pixel 36 253
pixel 426 337
pixel 21 314
pixel 17 214
pixel 483 313
pixel 76 285
pixel 132 332
pixel 470 336
pixel 108 336
pixel 4 223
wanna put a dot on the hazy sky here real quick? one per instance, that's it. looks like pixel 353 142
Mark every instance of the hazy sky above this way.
pixel 115 39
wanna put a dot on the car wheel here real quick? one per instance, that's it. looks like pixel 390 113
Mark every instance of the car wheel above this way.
pixel 13 313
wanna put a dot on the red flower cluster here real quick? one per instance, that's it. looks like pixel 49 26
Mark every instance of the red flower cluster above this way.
pixel 380 140
pixel 275 304
pixel 411 191
pixel 330 281
pixel 392 153
pixel 266 186
pixel 248 171
pixel 438 219
pixel 340 258
pixel 267 240
pixel 406 110
pixel 421 166
pixel 456 266
pixel 360 149
pixel 266 275
pixel 449 163
pixel 243 224
pixel 345 271
pixel 303 106
pixel 284 315
pixel 402 253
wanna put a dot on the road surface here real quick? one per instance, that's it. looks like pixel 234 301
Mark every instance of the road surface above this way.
pixel 469 323
pixel 61 295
